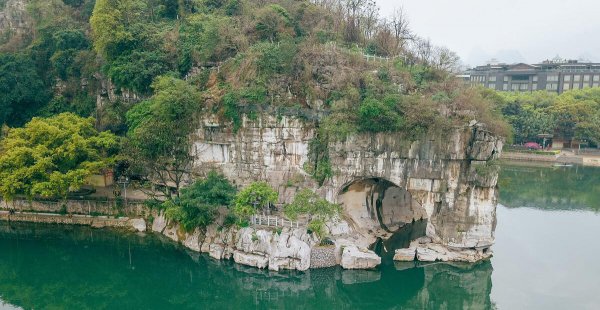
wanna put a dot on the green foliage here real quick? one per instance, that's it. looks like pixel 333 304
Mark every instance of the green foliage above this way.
pixel 377 116
pixel 198 204
pixel 50 157
pixel 573 114
pixel 232 101
pixel 528 114
pixel 230 220
pixel 273 23
pixel 160 142
pixel 22 89
pixel 276 58
pixel 211 37
pixel 317 227
pixel 307 202
pixel 319 164
pixel 137 70
pixel 136 38
pixel 253 197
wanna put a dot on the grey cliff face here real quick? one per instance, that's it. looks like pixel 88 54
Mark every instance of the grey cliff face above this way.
pixel 449 179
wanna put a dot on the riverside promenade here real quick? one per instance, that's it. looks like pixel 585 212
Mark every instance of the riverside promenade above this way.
pixel 574 157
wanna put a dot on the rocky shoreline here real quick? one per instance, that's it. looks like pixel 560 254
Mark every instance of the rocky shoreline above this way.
pixel 266 247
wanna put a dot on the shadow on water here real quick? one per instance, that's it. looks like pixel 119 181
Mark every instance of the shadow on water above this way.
pixel 399 240
pixel 48 266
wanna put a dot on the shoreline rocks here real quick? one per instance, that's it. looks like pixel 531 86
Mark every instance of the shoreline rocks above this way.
pixel 432 252
pixel 359 258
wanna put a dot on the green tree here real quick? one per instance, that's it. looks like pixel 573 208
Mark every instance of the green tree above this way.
pixel 307 202
pixel 22 89
pixel 160 144
pixel 273 23
pixel 109 23
pixel 137 69
pixel 318 210
pixel 51 156
pixel 253 197
pixel 199 203
pixel 377 116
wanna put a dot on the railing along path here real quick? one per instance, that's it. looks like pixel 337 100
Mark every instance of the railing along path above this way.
pixel 274 221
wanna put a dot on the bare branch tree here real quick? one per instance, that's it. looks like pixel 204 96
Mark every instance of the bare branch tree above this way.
pixel 401 27
pixel 445 59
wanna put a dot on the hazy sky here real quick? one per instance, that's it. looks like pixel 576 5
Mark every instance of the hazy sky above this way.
pixel 517 30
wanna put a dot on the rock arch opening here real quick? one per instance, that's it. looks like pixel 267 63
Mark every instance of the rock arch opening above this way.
pixel 383 211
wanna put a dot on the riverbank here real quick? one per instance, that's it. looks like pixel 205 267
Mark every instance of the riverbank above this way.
pixel 564 157
pixel 73 267
pixel 273 248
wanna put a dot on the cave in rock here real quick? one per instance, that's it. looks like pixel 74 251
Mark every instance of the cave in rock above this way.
pixel 383 210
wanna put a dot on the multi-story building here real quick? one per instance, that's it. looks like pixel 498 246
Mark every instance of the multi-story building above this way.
pixel 551 75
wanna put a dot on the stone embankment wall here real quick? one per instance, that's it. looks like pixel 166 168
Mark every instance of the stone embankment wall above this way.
pixel 528 157
pixel 323 257
pixel 85 207
pixel 94 221
pixel 450 175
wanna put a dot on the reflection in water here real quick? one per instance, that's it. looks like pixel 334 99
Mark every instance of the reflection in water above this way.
pixel 399 240
pixel 78 267
pixel 552 188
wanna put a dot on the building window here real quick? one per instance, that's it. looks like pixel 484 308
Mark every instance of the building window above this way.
pixel 506 78
pixel 566 86
pixel 577 78
pixel 523 87
pixel 535 78
pixel 514 87
pixel 505 87
pixel 586 78
pixel 492 79
pixel 552 78
pixel 596 85
pixel 534 86
pixel 576 86
pixel 567 78
pixel 596 78
pixel 552 86
pixel 492 86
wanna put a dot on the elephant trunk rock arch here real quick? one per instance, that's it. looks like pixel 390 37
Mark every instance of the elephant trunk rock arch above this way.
pixel 447 178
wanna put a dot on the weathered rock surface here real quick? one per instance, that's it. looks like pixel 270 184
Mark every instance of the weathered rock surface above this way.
pixel 159 224
pixel 431 252
pixel 193 240
pixel 171 232
pixel 138 224
pixel 405 255
pixel 254 260
pixel 355 258
pixel 444 177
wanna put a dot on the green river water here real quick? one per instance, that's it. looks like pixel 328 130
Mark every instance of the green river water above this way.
pixel 545 257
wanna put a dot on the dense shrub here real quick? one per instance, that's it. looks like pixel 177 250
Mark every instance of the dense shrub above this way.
pixel 254 197
pixel 198 204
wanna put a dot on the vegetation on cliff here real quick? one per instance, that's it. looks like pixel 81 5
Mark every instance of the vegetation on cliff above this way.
pixel 253 198
pixel 198 205
pixel 148 70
